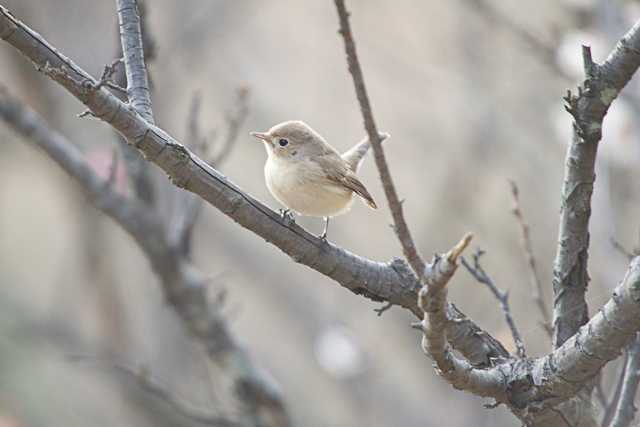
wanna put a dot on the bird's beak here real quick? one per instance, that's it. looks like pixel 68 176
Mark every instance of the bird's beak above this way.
pixel 263 136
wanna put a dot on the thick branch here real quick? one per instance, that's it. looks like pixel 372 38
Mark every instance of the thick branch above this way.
pixel 565 371
pixel 395 205
pixel 533 388
pixel 391 282
pixel 601 87
pixel 133 53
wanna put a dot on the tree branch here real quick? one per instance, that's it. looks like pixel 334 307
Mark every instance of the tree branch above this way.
pixel 625 409
pixel 502 296
pixel 602 85
pixel 527 249
pixel 395 205
pixel 133 53
pixel 432 300
pixel 151 385
pixel 533 388
pixel 183 285
pixel 390 282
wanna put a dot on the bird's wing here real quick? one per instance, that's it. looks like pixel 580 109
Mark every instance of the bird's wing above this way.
pixel 338 172
pixel 355 154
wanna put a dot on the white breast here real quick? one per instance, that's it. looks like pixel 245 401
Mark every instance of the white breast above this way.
pixel 297 185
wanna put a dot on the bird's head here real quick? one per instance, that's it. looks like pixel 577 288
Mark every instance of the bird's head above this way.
pixel 292 140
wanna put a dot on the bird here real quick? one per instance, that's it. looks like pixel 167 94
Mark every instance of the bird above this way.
pixel 308 176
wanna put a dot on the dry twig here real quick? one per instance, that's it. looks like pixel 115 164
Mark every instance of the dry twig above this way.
pixel 527 250
pixel 502 296
pixel 395 205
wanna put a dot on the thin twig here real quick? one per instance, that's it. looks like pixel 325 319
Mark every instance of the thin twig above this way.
pixel 527 249
pixel 502 296
pixel 395 205
pixel 107 76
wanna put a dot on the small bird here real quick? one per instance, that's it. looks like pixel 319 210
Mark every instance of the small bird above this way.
pixel 308 176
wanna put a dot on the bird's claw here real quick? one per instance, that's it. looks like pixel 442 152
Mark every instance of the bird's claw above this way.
pixel 286 216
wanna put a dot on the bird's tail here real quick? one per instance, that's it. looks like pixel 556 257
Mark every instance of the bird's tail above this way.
pixel 355 154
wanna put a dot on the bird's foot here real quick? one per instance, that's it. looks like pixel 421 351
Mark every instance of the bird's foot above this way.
pixel 323 237
pixel 286 216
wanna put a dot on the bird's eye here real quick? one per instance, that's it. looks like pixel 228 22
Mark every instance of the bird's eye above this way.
pixel 283 142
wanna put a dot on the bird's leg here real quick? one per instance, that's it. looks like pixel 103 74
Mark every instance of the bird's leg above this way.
pixel 287 216
pixel 323 236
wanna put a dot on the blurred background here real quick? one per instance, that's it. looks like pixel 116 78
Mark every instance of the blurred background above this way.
pixel 471 92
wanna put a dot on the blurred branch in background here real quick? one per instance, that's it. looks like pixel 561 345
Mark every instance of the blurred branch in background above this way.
pixel 186 206
pixel 545 50
pixel 143 378
pixel 184 285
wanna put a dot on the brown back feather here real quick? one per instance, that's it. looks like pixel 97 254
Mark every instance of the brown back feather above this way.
pixel 338 172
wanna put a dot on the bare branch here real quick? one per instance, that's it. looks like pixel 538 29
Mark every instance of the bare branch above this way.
pixel 151 385
pixel 107 76
pixel 391 281
pixel 625 409
pixel 432 299
pixel 395 206
pixel 527 249
pixel 133 53
pixel 129 213
pixel 534 388
pixel 602 85
pixel 138 170
pixel 502 296
pixel 184 286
